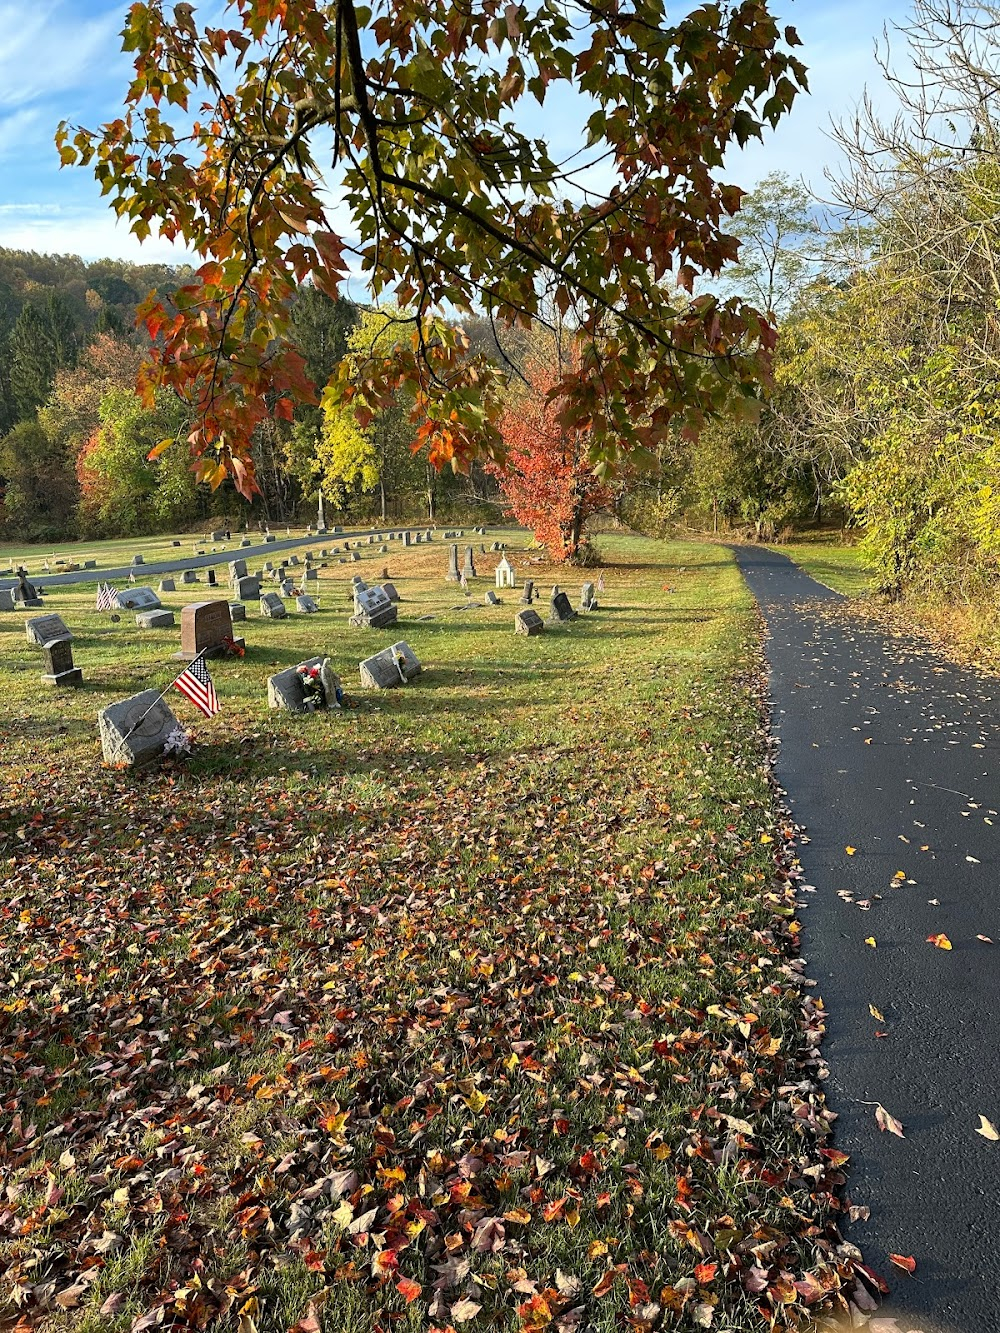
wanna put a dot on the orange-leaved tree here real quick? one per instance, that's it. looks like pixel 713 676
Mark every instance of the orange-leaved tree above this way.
pixel 547 479
pixel 416 123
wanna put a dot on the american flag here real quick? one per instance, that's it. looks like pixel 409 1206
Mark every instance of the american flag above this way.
pixel 195 682
pixel 107 597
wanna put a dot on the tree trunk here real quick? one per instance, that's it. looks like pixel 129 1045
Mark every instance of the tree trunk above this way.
pixel 381 491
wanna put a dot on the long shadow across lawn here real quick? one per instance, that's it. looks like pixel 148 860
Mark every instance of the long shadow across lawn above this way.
pixel 890 760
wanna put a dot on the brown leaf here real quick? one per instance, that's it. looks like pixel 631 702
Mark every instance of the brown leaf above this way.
pixel 885 1121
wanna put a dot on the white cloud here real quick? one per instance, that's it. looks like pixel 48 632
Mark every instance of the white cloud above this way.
pixel 91 233
pixel 48 49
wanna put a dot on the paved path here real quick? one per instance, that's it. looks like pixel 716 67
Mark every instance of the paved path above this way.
pixel 894 752
pixel 178 562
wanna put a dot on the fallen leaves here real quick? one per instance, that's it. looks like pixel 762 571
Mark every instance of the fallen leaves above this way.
pixel 904 1261
pixel 871 942
pixel 988 1130
pixel 940 941
pixel 888 1122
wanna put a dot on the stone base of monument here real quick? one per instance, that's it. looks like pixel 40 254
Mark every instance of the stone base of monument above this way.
pixel 156 619
pixel 391 667
pixel 528 623
pixel 134 731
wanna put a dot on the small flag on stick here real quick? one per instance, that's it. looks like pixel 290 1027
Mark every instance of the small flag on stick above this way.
pixel 196 684
pixel 107 597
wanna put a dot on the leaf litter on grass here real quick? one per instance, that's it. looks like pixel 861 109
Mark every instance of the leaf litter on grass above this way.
pixel 521 1042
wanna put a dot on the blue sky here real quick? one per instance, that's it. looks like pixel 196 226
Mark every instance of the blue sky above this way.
pixel 62 59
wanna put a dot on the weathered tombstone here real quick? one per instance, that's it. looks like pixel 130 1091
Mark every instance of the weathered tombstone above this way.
pixel 286 690
pixel 138 599
pixel 90 564
pixel 6 599
pixel 559 607
pixel 155 619
pixel 270 537
pixel 26 593
pixel 355 555
pixel 392 666
pixel 491 598
pixel 189 576
pixel 312 575
pixel 167 585
pixel 205 627
pixel 268 566
pixel 429 535
pixel 406 539
pixel 469 566
pixel 453 576
pixel 272 607
pixel 175 543
pixel 237 570
pixel 44 629
pixel 588 599
pixel 528 623
pixel 505 576
pixel 294 560
pixel 134 731
pixel 210 578
pixel 383 550
pixel 529 592
pixel 307 605
pixel 496 546
pixel 59 668
pixel 138 560
pixel 247 589
pixel 390 591
pixel 238 611
pixel 218 537
pixel 245 541
pixel 373 609
pixel 287 588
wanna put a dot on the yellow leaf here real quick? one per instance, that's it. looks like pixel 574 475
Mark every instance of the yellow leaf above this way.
pixel 939 941
pixel 476 1101
pixel 987 1130
pixel 871 941
pixel 850 850
pixel 875 1013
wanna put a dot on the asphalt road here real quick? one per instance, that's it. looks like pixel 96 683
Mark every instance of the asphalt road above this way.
pixel 262 550
pixel 891 751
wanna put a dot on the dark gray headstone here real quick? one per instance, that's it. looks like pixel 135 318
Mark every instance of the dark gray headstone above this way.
pixel 210 577
pixel 312 575
pixel 528 623
pixel 355 555
pixel 469 567
pixel 155 619
pixel 272 607
pixel 6 599
pixel 189 576
pixel 391 667
pixel 588 598
pixel 529 592
pixel 247 589
pixel 406 539
pixel 90 564
pixel 560 608
pixel 390 591
pixel 294 560
pixel 237 611
pixel 175 543
pixel 245 541
pixel 45 629
pixel 168 585
pixel 138 560
pixel 491 598
pixel 59 668
pixel 134 730
pixel 285 690
pixel 270 537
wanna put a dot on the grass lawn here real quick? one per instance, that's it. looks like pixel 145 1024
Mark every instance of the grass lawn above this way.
pixel 473 1006
pixel 825 557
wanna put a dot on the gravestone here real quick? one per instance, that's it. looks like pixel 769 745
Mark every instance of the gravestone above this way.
pixel 453 576
pixel 188 576
pixel 218 536
pixel 588 598
pixel 237 570
pixel 505 577
pixel 245 541
pixel 559 607
pixel 406 539
pixel 287 588
pixel 285 690
pixel 134 731
pixel 294 560
pixel 246 589
pixel 529 592
pixel 355 555
pixel 210 577
pixel 268 566
pixel 167 585
pixel 391 667
pixel 26 593
pixel 272 607
pixel 469 567
pixel 90 564
pixel 6 599
pixel 138 599
pixel 204 628
pixel 496 547
pixel 238 611
pixel 270 537
pixel 44 629
pixel 307 605
pixel 491 598
pixel 390 591
pixel 175 543
pixel 59 668
pixel 138 560
pixel 155 619
pixel 312 575
pixel 528 623
pixel 373 609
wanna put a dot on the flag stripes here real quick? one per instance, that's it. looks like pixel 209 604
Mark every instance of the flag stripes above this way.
pixel 196 684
